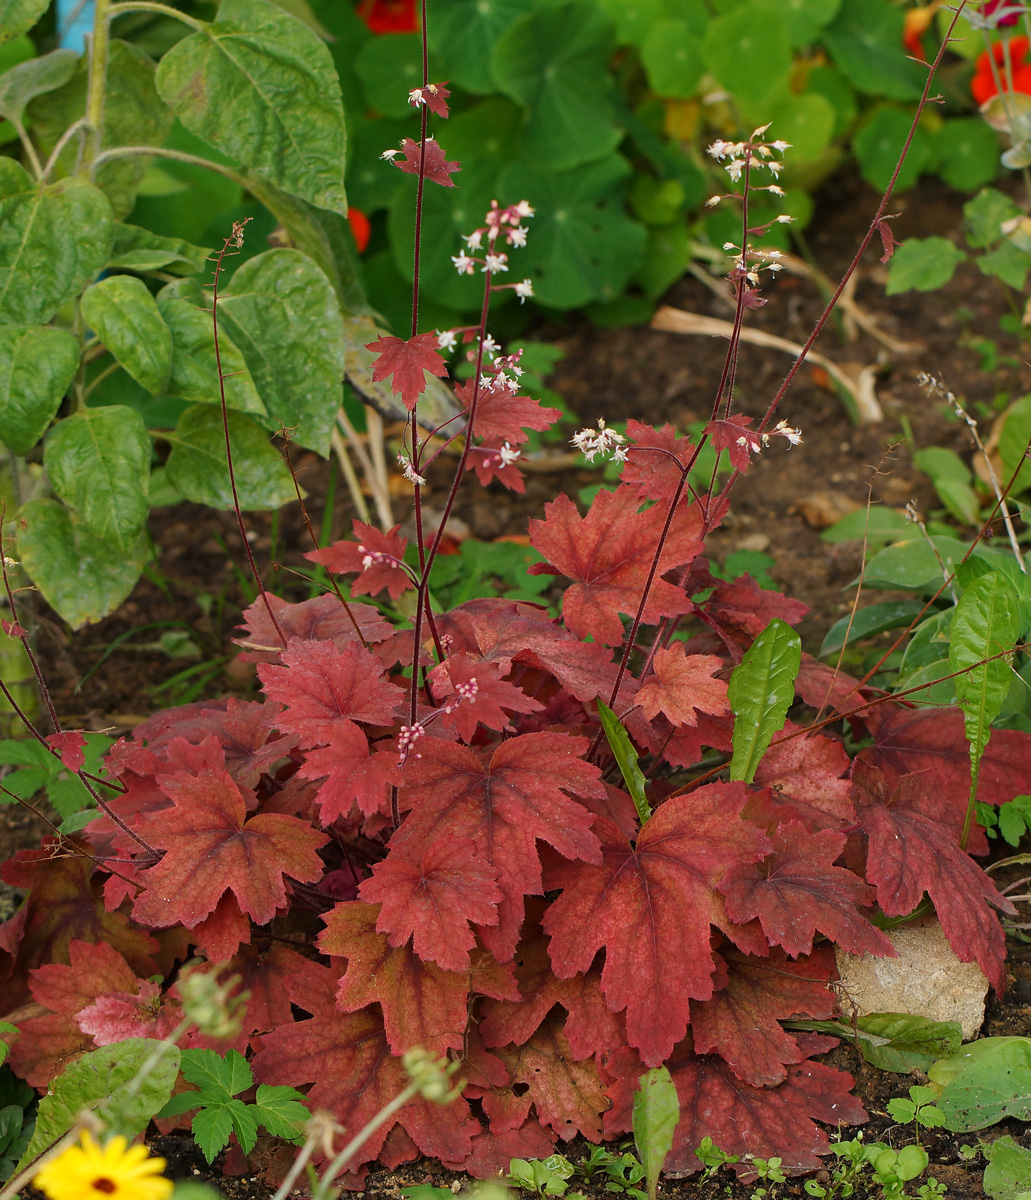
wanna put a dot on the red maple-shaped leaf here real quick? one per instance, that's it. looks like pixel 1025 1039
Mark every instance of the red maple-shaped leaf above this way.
pixel 408 362
pixel 740 609
pixel 70 747
pixel 503 806
pixel 422 1004
pixel 262 975
pixel 492 1153
pixel 656 460
pixel 652 906
pixel 741 1119
pixel 347 1059
pixel 478 694
pixel 608 555
pixel 733 435
pixel 683 686
pixel 433 900
pixel 826 688
pixel 115 1016
pixel 808 771
pixel 435 167
pixel 322 619
pixel 741 1023
pixel 50 1042
pixel 374 555
pixel 354 774
pixel 219 936
pixel 502 416
pixel 212 847
pixel 796 891
pixel 325 689
pixel 912 852
pixel 434 96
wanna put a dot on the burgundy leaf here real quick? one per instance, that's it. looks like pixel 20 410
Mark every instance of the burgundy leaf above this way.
pixel 376 557
pixel 436 167
pixel 407 361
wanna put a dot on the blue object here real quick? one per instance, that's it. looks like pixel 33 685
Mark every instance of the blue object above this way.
pixel 74 22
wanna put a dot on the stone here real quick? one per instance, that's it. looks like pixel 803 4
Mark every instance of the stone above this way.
pixel 926 979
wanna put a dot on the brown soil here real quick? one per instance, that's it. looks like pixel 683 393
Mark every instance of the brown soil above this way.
pixel 655 377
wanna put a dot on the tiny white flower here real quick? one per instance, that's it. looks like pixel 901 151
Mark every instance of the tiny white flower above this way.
pixel 508 455
pixel 729 246
pixel 774 189
pixel 524 290
pixel 495 263
pixel 757 133
pixel 490 346
pixel 784 219
pixel 389 155
pixel 415 97
pixel 524 209
pixel 713 201
pixel 405 463
pixel 517 236
pixel 781 146
pixel 447 339
pixel 464 265
pixel 474 239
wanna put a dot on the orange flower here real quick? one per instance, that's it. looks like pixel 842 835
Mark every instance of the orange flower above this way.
pixel 390 16
pixel 360 227
pixel 918 21
pixel 983 86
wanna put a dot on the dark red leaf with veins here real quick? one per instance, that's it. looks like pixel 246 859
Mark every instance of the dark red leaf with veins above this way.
pixel 652 906
pixel 809 773
pixel 437 168
pixel 478 693
pixel 71 748
pixel 323 619
pixel 375 556
pixel 355 774
pixel 656 460
pixel 733 435
pixel 407 361
pixel 502 416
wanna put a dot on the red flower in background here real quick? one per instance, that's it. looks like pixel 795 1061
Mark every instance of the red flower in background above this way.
pixel 989 6
pixel 983 86
pixel 360 227
pixel 390 16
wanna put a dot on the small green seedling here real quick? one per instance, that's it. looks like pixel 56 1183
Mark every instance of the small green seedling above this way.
pixel 893 1169
pixel 768 1170
pixel 712 1158
pixel 920 1108
pixel 542 1176
pixel 220 1081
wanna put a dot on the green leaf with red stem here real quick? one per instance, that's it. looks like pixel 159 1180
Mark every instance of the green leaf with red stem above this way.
pixel 761 691
pixel 626 756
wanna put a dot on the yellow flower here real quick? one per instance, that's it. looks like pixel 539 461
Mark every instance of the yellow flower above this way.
pixel 114 1171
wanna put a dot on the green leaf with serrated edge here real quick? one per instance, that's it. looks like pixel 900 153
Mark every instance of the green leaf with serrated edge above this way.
pixel 218 1078
pixel 1006 262
pixel 761 690
pixel 245 1124
pixel 134 115
pixel 577 211
pixel 984 625
pixel 52 241
pixel 865 41
pixel 465 32
pixel 923 264
pixel 671 56
pixel 626 757
pixel 194 367
pixel 80 576
pixel 19 16
pixel 277 79
pixel 197 465
pixel 212 1129
pixel 98 462
pixel 37 365
pixel 554 62
pixel 984 215
pixel 281 1110
pixel 968 153
pixel 867 622
pixel 104 1082
pixel 125 316
pixel 748 50
pixel 987 1086
pixel 282 314
pixel 1008 1174
pixel 20 84
pixel 656 1111
pixel 138 249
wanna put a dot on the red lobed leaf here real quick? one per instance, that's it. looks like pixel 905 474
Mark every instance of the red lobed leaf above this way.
pixel 502 416
pixel 219 936
pixel 608 555
pixel 71 748
pixel 435 167
pixel 741 609
pixel 503 806
pixel 683 686
pixel 407 361
pixel 374 555
pixel 435 96
pixel 479 695
pixel 656 460
pixel 354 774
pixel 825 688
pixel 796 891
pixel 115 1016
pixel 809 772
pixel 733 435
pixel 322 619
pixel 652 906
pixel 211 847
pixel 433 900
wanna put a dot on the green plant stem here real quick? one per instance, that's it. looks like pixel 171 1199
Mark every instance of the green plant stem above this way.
pixel 118 10
pixel 108 370
pixel 27 146
pixel 96 87
pixel 194 160
pixel 73 130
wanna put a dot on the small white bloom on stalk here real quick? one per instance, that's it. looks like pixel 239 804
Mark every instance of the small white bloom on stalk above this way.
pixel 377 558
pixel 409 472
pixel 406 740
pixel 474 239
pixel 464 265
pixel 508 454
pixel 784 430
pixel 447 339
pixel 602 441
pixel 490 346
pixel 415 97
pixel 713 201
pixel 516 236
pixel 495 263
pixel 389 155
pixel 524 290
pixel 523 209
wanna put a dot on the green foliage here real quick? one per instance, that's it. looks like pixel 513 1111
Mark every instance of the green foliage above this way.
pixel 987 1081
pixel 894 1041
pixel 761 690
pixel 626 757
pixel 37 770
pixel 17 1113
pixel 1008 1174
pixel 219 1083
pixel 918 1108
pixel 656 1112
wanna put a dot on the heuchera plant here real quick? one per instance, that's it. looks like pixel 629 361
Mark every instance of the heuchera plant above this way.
pixel 423 836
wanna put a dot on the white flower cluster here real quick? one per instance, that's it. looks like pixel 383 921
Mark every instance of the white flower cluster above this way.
pixel 753 260
pixel 499 222
pixel 377 558
pixel 603 441
pixel 755 152
pixel 463 691
pixel 784 430
pixel 409 472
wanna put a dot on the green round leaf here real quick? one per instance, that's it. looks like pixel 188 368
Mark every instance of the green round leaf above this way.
pixel 672 59
pixel 37 365
pixel 582 246
pixel 805 18
pixel 836 90
pixel 22 83
pixel 667 257
pixel 197 466
pixel 52 240
pixel 260 86
pixel 282 314
pixel 80 576
pixel 389 67
pixel 554 62
pixel 968 151
pixel 865 41
pixel 912 1162
pixel 879 143
pixel 464 32
pixel 749 51
pixel 125 316
pixel 922 264
pixel 372 182
pixel 807 122
pixel 98 463
pixel 635 18
pixel 984 216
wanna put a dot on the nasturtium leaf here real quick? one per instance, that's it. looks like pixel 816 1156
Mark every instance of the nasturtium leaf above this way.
pixel 389 68
pixel 53 239
pixel 276 77
pixel 671 54
pixel 124 315
pixel 805 18
pixel 282 314
pixel 105 1082
pixel 925 264
pixel 761 691
pixel 37 364
pixel 554 62
pixel 18 16
pixel 20 84
pixel 134 115
pixel 968 153
pixel 137 249
pixel 749 51
pixel 198 468
pixel 865 41
pixel 464 33
pixel 879 141
pixel 98 462
pixel 807 122
pixel 80 576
